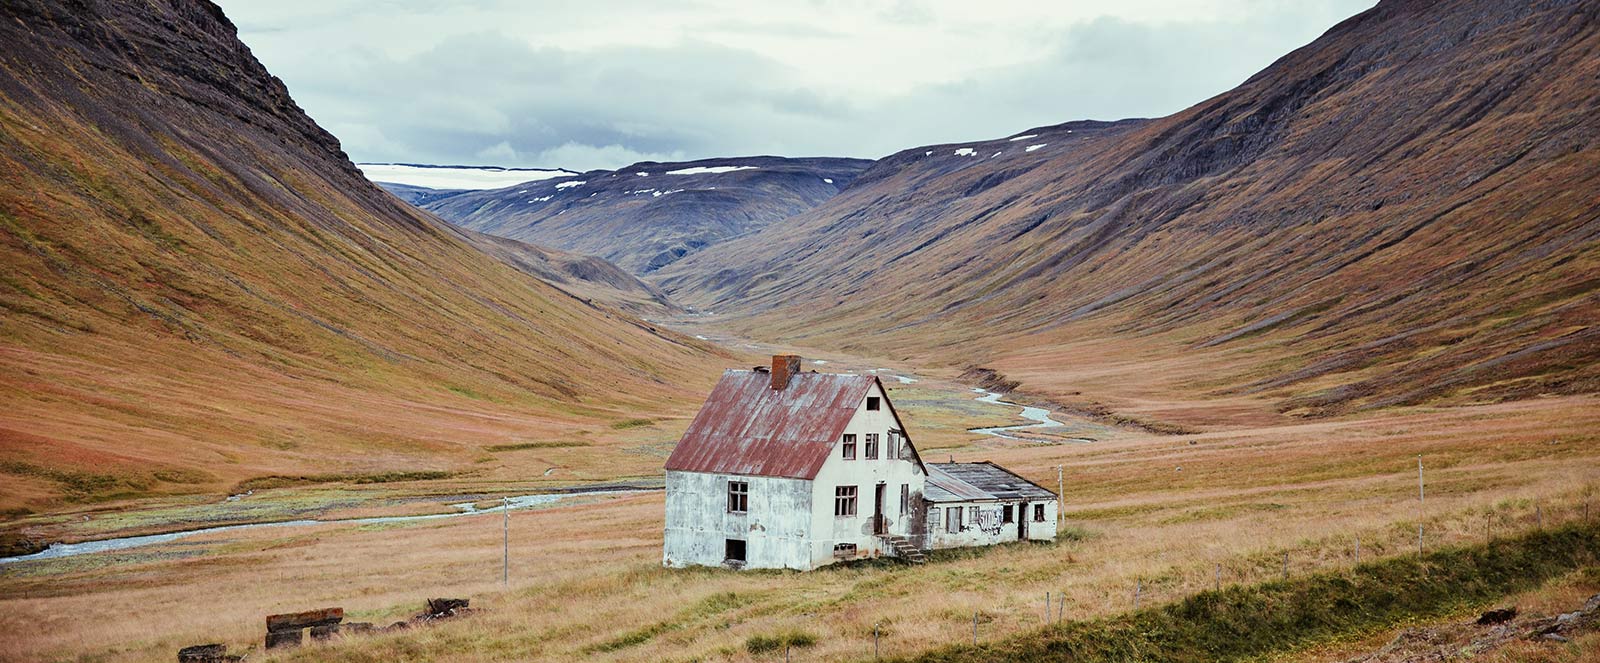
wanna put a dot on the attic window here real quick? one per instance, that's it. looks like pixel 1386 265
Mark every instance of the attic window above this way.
pixel 874 403
pixel 849 446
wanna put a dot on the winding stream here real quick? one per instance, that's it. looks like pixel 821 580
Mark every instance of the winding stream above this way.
pixel 462 509
pixel 1038 415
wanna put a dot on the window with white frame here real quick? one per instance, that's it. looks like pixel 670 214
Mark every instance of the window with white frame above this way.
pixel 1038 513
pixel 738 497
pixel 849 446
pixel 844 501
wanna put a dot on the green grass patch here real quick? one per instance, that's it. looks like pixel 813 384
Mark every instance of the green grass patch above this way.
pixel 557 444
pixel 284 481
pixel 631 423
pixel 1250 621
pixel 708 607
pixel 766 644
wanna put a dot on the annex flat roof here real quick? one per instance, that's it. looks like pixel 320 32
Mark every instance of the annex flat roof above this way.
pixel 747 427
pixel 977 482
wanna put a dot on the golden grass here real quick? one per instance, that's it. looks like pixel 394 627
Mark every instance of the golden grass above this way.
pixel 586 580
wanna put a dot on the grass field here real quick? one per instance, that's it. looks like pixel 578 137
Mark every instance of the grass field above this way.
pixel 1168 514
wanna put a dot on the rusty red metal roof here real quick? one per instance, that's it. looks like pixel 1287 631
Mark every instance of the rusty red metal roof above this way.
pixel 746 427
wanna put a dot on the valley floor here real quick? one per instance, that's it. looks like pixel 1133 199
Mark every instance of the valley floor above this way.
pixel 1153 515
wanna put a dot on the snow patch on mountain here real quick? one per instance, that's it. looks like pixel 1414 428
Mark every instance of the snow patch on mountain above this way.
pixel 705 170
pixel 456 177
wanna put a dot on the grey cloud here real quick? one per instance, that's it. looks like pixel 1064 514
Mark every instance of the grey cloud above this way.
pixel 487 97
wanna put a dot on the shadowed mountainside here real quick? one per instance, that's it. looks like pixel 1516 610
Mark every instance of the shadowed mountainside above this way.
pixel 650 214
pixel 1403 211
pixel 588 278
pixel 199 286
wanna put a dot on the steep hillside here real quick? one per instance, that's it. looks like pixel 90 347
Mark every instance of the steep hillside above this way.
pixel 198 286
pixel 1403 211
pixel 591 279
pixel 650 214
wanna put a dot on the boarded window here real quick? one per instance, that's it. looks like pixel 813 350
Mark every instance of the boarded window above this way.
pixel 733 550
pixel 872 446
pixel 972 515
pixel 844 501
pixel 874 403
pixel 1038 513
pixel 1006 516
pixel 952 519
pixel 892 451
pixel 844 550
pixel 905 499
pixel 849 446
pixel 738 496
pixel 933 517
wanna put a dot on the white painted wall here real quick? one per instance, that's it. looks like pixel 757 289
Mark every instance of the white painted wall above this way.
pixel 827 530
pixel 988 528
pixel 774 528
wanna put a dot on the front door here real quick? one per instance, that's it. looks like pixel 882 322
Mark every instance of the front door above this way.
pixel 1022 521
pixel 877 512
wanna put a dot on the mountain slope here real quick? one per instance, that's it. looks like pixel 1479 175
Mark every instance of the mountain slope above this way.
pixel 588 278
pixel 1402 211
pixel 650 214
pixel 200 287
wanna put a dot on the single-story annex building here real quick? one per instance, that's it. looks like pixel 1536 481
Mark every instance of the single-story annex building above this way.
pixel 789 469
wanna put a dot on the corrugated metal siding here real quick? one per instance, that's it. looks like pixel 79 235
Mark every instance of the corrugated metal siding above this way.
pixel 745 427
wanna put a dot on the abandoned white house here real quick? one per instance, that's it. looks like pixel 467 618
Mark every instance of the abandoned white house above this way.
pixel 788 469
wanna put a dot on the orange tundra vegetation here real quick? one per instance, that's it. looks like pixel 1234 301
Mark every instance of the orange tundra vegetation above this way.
pixel 199 288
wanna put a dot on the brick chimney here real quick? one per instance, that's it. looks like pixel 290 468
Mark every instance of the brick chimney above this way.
pixel 783 368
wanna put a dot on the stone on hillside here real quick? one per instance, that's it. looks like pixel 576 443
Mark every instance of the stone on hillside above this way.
pixel 214 653
pixel 1498 616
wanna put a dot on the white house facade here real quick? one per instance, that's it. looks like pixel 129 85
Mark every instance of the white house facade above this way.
pixel 789 469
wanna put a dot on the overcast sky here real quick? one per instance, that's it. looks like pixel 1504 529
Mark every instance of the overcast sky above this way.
pixel 597 84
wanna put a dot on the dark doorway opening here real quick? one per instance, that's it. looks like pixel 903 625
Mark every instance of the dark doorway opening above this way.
pixel 733 550
pixel 877 511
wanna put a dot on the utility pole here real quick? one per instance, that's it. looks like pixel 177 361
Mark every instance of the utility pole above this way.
pixel 505 542
pixel 1061 487
pixel 1420 495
